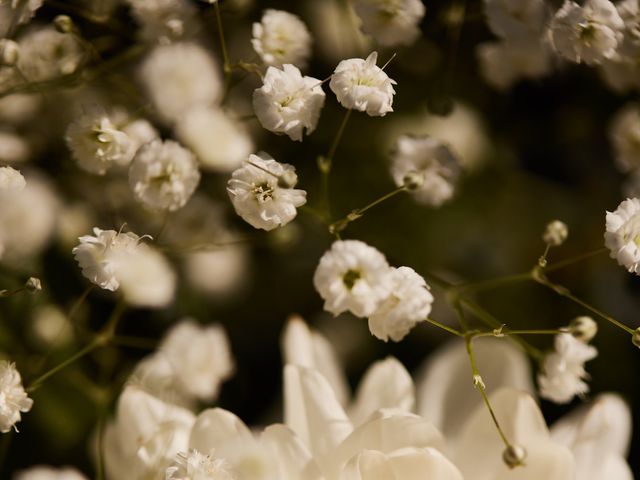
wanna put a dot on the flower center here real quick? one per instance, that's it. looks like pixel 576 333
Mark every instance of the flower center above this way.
pixel 350 278
pixel 263 192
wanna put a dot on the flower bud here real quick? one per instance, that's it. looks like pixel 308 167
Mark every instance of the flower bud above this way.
pixel 9 52
pixel 514 455
pixel 287 179
pixel 33 285
pixel 63 24
pixel 555 234
pixel 583 328
pixel 413 180
pixel 635 338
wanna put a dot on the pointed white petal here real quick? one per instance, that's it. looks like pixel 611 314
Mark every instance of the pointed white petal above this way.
pixel 216 428
pixel 293 457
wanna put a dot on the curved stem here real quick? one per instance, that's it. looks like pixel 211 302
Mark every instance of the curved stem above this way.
pixel 445 327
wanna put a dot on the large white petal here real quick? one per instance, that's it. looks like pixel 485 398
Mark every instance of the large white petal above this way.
pixel 293 457
pixel 216 429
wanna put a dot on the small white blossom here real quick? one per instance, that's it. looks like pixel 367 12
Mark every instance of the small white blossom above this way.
pixel 258 197
pixel 49 473
pixel 13 398
pixel 583 328
pixel 281 37
pixel 98 142
pixel 555 233
pixel 163 175
pixel 163 20
pixel 193 465
pixel 516 19
pixel 430 159
pixel 590 33
pixel 625 137
pixel 622 236
pixel 563 370
pixel 45 54
pixel 390 22
pixel 362 85
pixel 179 77
pixel 352 276
pixel 288 103
pixel 408 303
pixel 11 180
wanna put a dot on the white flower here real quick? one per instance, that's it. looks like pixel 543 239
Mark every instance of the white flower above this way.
pixel 163 175
pixel 622 234
pixel 362 85
pixel 516 19
pixel 179 77
pixel 590 33
pixel 193 465
pixel 555 233
pixel 13 398
pixel 218 272
pixel 98 142
pixel 288 103
pixel 163 20
pixel 352 276
pixel 625 136
pixel 49 473
pixel 435 166
pixel 564 372
pixel 219 142
pixel 46 54
pixel 281 37
pixel 391 22
pixel 258 197
pixel 408 303
pixel 11 180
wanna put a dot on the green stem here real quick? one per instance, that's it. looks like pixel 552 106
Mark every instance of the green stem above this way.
pixel 445 327
pixel 500 332
pixel 572 260
pixel 325 164
pixel 492 282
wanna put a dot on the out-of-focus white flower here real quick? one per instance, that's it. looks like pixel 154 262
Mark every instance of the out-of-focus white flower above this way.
pixel 408 303
pixel 179 77
pixel 45 54
pixel 164 20
pixel 219 142
pixel 218 271
pixel 11 180
pixel 19 107
pixel 13 398
pixel 145 436
pixel 555 233
pixel 98 142
pixel 362 85
pixel 258 195
pixel 288 103
pixel 15 148
pixel 622 234
pixel 281 37
pixel 590 33
pixel 193 465
pixel 625 137
pixel 74 219
pixel 27 8
pixel 352 276
pixel 504 63
pixel 49 473
pixel 51 327
pixel 564 372
pixel 390 22
pixel 432 161
pixel 163 175
pixel 516 19
pixel 140 131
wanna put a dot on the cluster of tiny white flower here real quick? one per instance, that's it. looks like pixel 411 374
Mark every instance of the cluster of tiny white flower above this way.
pixel 13 398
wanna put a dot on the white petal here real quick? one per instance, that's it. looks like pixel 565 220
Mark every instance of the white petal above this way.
pixel 293 457
pixel 215 428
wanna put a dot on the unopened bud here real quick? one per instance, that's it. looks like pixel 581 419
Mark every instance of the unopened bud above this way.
pixel 583 328
pixel 33 285
pixel 635 338
pixel 413 180
pixel 287 179
pixel 63 24
pixel 176 27
pixel 556 233
pixel 9 52
pixel 514 455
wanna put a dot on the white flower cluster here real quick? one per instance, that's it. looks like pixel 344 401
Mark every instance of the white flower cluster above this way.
pixel 13 398
pixel 11 180
pixel 46 54
pixel 353 276
pixel 390 22
pixel 280 38
pixel 164 21
pixel 622 235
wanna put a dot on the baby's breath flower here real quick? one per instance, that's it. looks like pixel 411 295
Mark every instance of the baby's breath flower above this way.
pixel 13 398
pixel 583 328
pixel 258 196
pixel 362 85
pixel 433 161
pixel 45 54
pixel 163 175
pixel 193 465
pixel 555 233
pixel 622 236
pixel 625 137
pixel 9 52
pixel 288 103
pixel 391 23
pixel 163 21
pixel 11 180
pixel 281 37
pixel 516 19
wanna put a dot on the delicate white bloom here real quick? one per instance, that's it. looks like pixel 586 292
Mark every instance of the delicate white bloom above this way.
pixel 625 137
pixel 11 180
pixel 98 142
pixel 281 37
pixel 506 62
pixel 13 398
pixel 258 197
pixel 555 233
pixel 390 22
pixel 45 54
pixel 288 103
pixel 219 142
pixel 590 33
pixel 163 175
pixel 622 234
pixel 49 473
pixel 362 85
pixel 50 327
pixel 516 19
pixel 179 77
pixel 193 465
pixel 164 20
pixel 583 328
pixel 430 159
pixel 563 370
pixel 352 276
pixel 408 303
